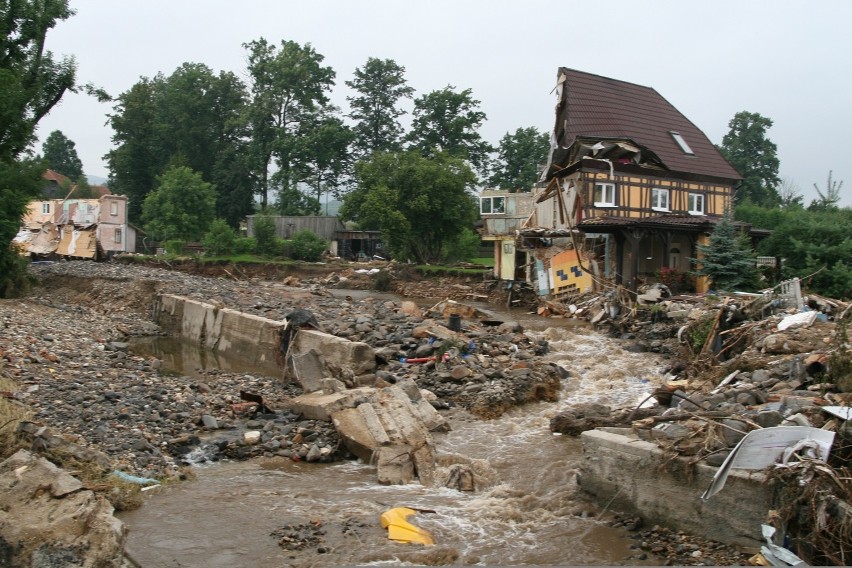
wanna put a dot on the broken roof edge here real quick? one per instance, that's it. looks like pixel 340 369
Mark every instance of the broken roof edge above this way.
pixel 634 169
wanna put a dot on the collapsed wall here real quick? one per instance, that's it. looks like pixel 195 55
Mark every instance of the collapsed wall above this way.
pixel 638 477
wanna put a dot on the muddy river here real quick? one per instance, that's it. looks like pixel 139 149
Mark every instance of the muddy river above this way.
pixel 525 510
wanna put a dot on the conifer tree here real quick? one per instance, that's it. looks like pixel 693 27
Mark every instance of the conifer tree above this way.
pixel 727 259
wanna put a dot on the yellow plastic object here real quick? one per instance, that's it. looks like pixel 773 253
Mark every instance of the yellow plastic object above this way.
pixel 401 530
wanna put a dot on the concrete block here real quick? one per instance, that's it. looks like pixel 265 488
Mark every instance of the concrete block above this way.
pixel 335 352
pixel 639 478
pixel 308 370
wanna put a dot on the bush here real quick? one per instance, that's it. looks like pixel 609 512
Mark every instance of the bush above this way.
pixel 220 239
pixel 305 245
pixel 464 247
pixel 245 245
pixel 175 247
pixel 264 232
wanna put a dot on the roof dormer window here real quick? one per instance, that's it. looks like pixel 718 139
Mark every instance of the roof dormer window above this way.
pixel 681 142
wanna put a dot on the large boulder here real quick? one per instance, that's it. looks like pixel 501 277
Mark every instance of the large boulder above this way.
pixel 47 518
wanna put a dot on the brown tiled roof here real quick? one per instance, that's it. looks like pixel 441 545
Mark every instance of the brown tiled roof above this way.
pixel 50 175
pixel 593 106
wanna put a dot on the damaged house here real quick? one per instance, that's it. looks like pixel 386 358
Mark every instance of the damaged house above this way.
pixel 77 228
pixel 630 189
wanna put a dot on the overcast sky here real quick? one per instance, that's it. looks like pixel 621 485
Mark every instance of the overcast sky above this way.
pixel 788 61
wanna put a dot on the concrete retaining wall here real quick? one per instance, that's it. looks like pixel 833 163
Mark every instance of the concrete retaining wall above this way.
pixel 639 478
pixel 223 330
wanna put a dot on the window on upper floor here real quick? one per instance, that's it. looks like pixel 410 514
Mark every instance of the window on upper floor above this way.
pixel 45 208
pixel 113 208
pixel 681 142
pixel 659 199
pixel 492 205
pixel 695 203
pixel 604 194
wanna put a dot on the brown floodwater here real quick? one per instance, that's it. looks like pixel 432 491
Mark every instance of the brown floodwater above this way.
pixel 526 509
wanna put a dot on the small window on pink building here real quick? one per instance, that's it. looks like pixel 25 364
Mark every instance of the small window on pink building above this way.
pixel 45 208
pixel 118 235
pixel 113 208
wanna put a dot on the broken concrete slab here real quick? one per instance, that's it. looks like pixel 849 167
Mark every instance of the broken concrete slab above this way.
pixel 336 353
pixel 321 406
pixel 308 370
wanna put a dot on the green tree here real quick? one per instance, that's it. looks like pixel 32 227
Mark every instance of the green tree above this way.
pixel 220 239
pixel 518 158
pixel 191 118
pixel 82 189
pixel 60 153
pixel 380 85
pixel 32 82
pixel 814 243
pixel 289 87
pixel 727 258
pixel 293 202
pixel 420 204
pixel 20 181
pixel 327 159
pixel 449 121
pixel 755 157
pixel 264 234
pixel 830 198
pixel 182 207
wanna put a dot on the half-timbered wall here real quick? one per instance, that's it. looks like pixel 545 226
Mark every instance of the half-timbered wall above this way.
pixel 633 195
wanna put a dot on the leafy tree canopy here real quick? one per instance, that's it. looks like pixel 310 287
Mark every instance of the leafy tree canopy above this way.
pixel 327 159
pixel 727 258
pixel 32 81
pixel 448 121
pixel 748 149
pixel 289 86
pixel 182 207
pixel 814 244
pixel 193 117
pixel 420 204
pixel 60 153
pixel 518 157
pixel 380 85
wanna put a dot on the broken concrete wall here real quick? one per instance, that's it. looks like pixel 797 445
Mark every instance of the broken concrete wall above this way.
pixel 389 427
pixel 220 329
pixel 315 355
pixel 637 477
pixel 47 518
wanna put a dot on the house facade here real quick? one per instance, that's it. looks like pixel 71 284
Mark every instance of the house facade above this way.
pixel 77 228
pixel 631 188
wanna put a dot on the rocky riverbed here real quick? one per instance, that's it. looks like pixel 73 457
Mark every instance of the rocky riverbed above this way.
pixel 94 403
pixel 66 347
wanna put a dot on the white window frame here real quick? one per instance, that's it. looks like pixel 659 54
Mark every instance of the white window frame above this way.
pixel 695 203
pixel 113 208
pixel 496 205
pixel 45 208
pixel 118 235
pixel 607 194
pixel 656 202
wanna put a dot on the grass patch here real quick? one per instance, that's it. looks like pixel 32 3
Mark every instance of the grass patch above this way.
pixel 439 270
pixel 483 261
